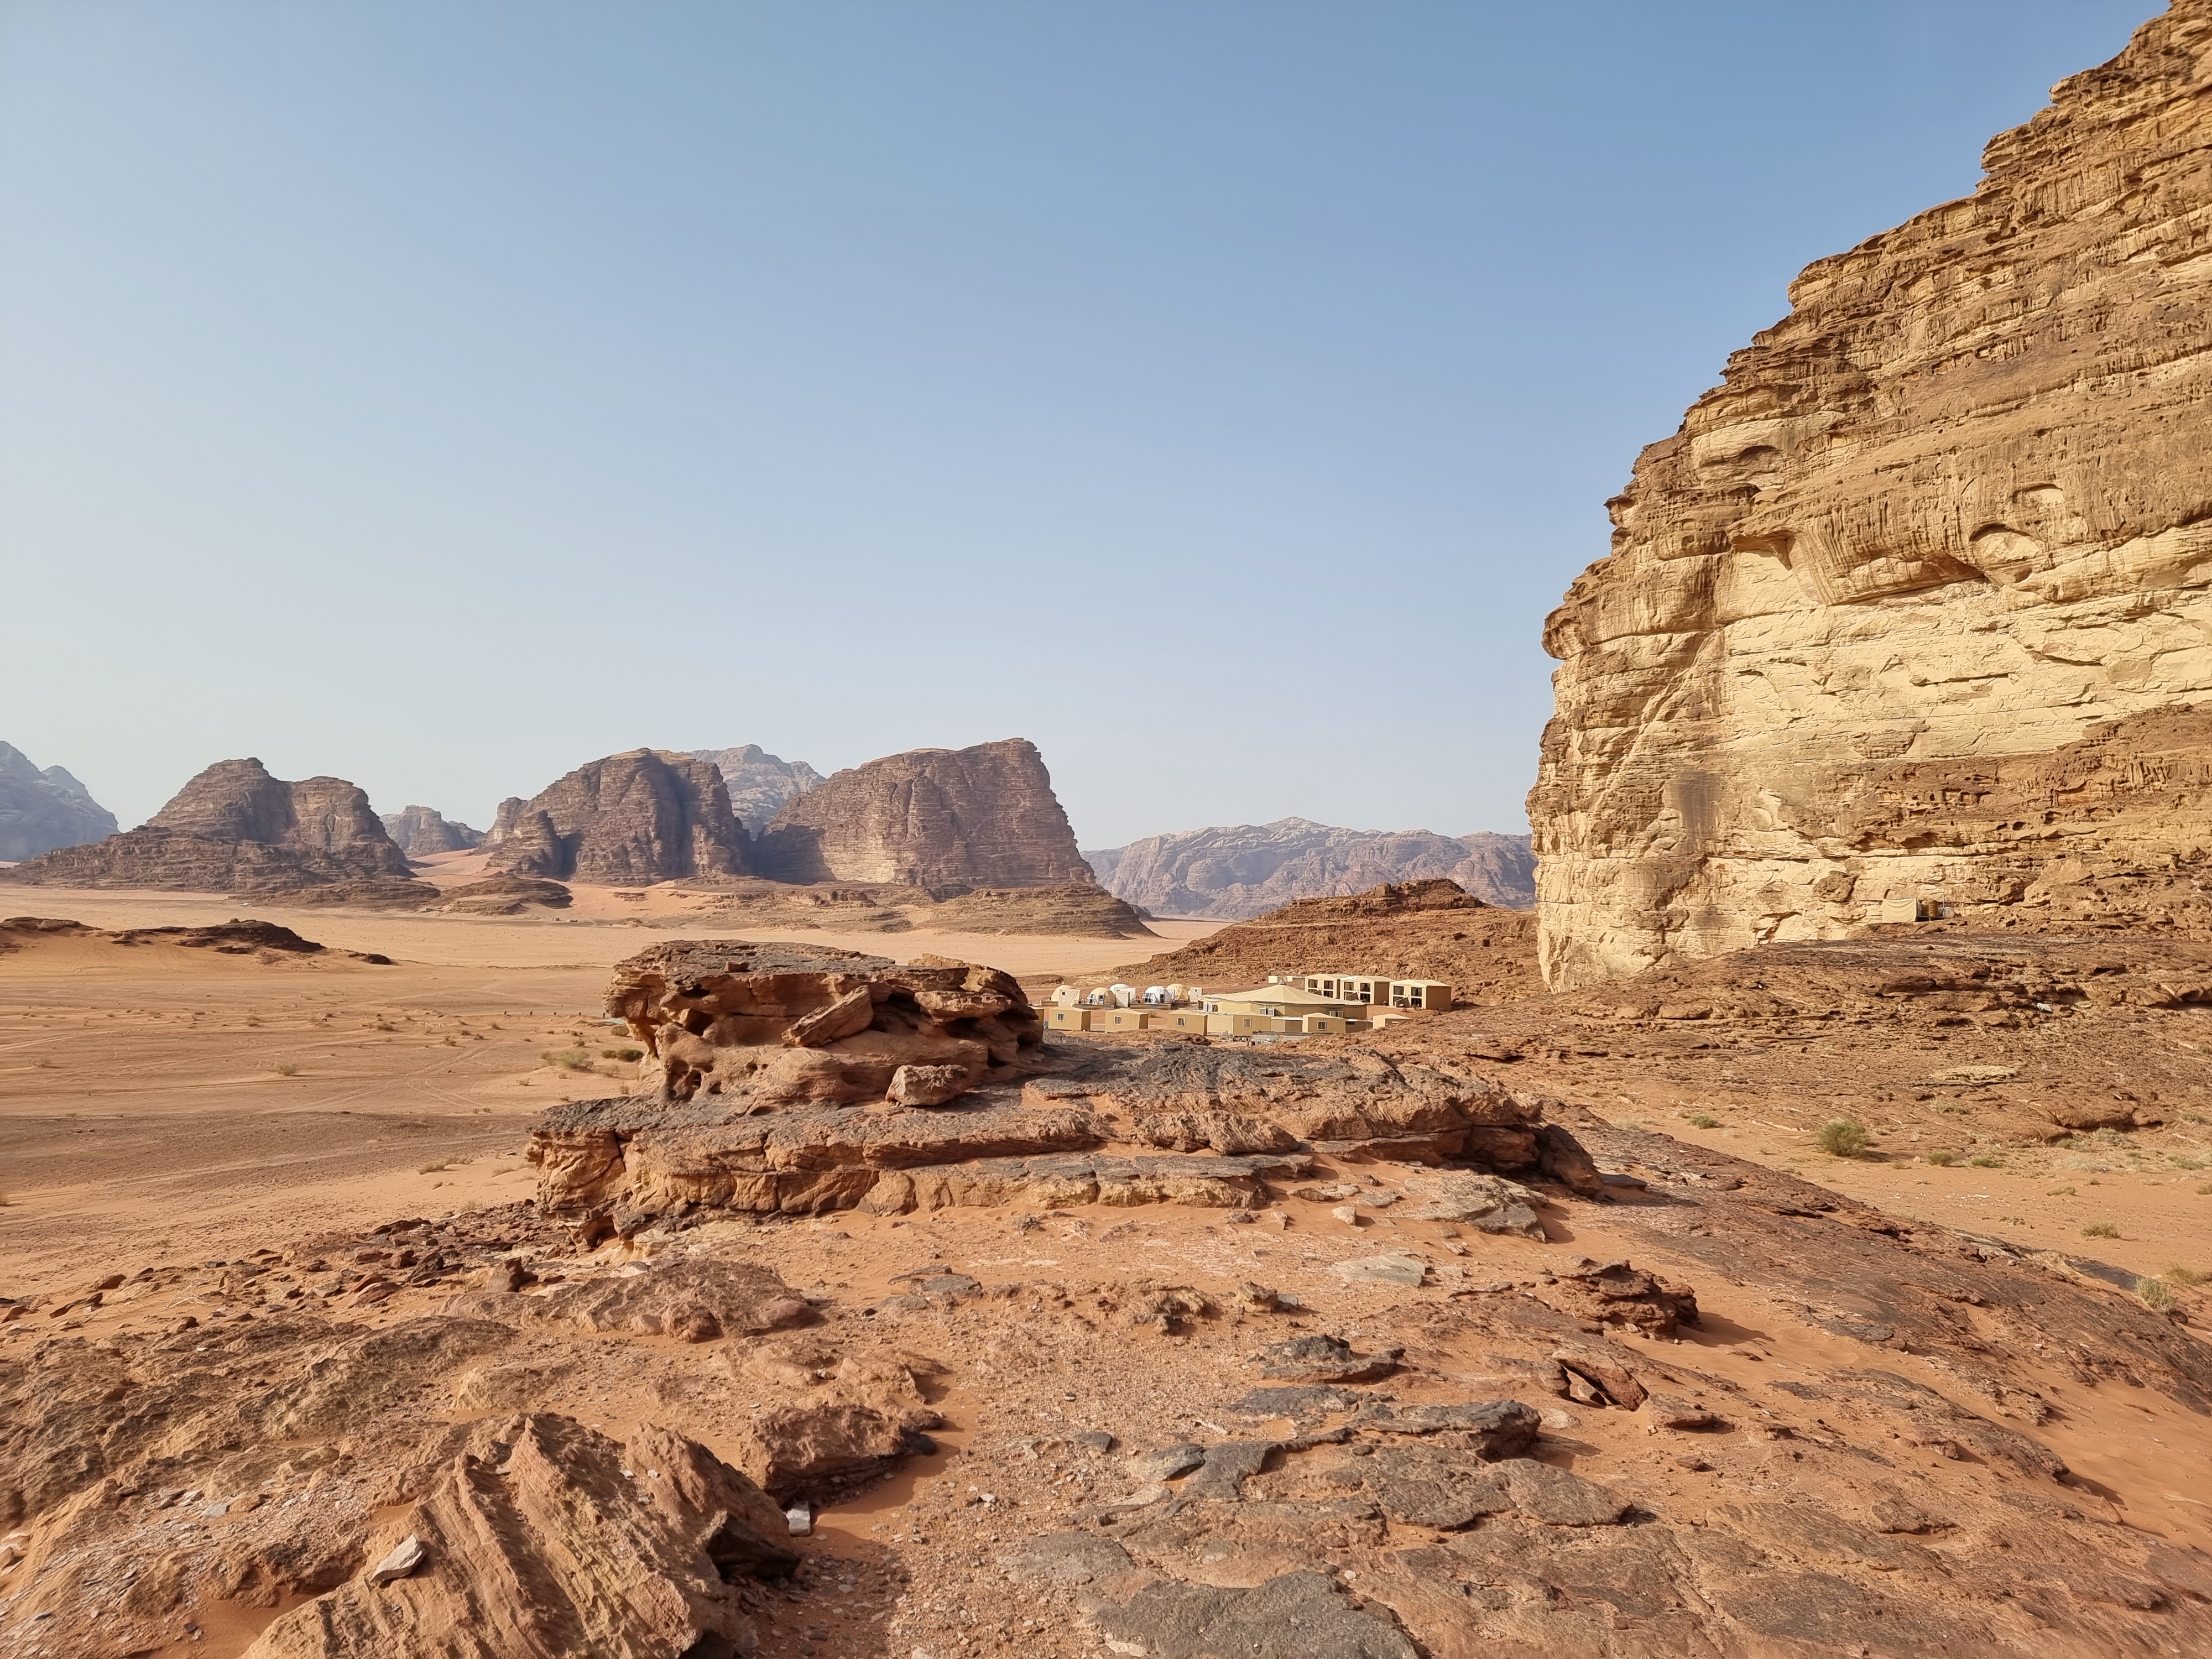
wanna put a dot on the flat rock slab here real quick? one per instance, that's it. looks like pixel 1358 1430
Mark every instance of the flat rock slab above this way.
pixel 1403 1270
pixel 1299 1615
pixel 1323 1359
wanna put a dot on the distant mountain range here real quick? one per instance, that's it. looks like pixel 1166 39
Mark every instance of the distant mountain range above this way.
pixel 40 810
pixel 1245 870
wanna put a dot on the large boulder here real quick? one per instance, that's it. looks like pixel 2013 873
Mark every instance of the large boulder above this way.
pixel 780 1024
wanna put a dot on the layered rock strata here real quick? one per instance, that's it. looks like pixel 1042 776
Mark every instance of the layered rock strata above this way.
pixel 763 1026
pixel 1236 873
pixel 42 810
pixel 946 819
pixel 235 829
pixel 1885 619
pixel 419 831
pixel 759 783
pixel 645 816
pixel 761 1050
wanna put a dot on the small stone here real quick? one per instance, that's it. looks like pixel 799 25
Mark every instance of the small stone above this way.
pixel 1348 1214
pixel 407 1554
pixel 1168 1463
pixel 798 1520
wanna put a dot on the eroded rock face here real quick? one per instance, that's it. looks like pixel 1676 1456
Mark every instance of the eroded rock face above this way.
pixel 234 828
pixel 1889 615
pixel 1236 873
pixel 40 810
pixel 645 816
pixel 945 819
pixel 759 782
pixel 419 831
pixel 770 1025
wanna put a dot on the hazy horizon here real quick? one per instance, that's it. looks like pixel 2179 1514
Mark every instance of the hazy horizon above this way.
pixel 441 397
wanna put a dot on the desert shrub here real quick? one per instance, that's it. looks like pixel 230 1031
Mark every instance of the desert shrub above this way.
pixel 2187 1278
pixel 2181 1162
pixel 1985 1163
pixel 287 1068
pixel 2204 1189
pixel 433 1168
pixel 2059 1192
pixel 567 1059
pixel 2154 1294
pixel 622 1054
pixel 2101 1229
pixel 1942 1160
pixel 1843 1137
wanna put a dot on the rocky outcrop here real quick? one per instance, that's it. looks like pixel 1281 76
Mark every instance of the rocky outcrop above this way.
pixel 505 895
pixel 768 1025
pixel 1080 910
pixel 1410 930
pixel 945 819
pixel 759 783
pixel 234 828
pixel 649 815
pixel 1236 873
pixel 419 831
pixel 40 810
pixel 1887 617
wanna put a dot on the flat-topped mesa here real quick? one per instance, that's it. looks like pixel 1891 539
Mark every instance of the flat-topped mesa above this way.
pixel 1951 513
pixel 774 1025
pixel 645 816
pixel 235 829
pixel 948 820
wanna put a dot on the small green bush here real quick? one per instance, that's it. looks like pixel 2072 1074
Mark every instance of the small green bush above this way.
pixel 567 1059
pixel 1701 1122
pixel 2100 1230
pixel 2059 1192
pixel 1985 1163
pixel 1942 1160
pixel 622 1054
pixel 2154 1294
pixel 287 1068
pixel 1843 1137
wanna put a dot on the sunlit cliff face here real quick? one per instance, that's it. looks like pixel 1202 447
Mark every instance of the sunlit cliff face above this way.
pixel 1957 506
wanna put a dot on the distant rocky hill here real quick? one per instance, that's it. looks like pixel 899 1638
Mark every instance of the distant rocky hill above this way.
pixel 40 810
pixel 759 783
pixel 1249 869
pixel 940 820
pixel 235 829
pixel 420 830
pixel 1429 929
pixel 645 816
pixel 1905 608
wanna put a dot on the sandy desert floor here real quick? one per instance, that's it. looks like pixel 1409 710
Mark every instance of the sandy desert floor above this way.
pixel 167 1100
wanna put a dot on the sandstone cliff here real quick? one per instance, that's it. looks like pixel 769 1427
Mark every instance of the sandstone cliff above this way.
pixel 1949 518
pixel 1236 873
pixel 645 816
pixel 40 810
pixel 234 828
pixel 937 818
pixel 420 830
pixel 759 783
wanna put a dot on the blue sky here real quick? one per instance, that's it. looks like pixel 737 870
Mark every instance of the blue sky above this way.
pixel 440 393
